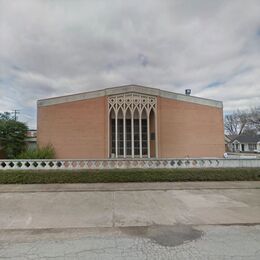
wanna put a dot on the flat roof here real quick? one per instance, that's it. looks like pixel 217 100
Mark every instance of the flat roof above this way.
pixel 129 89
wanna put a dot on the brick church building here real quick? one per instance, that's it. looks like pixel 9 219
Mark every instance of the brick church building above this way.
pixel 131 122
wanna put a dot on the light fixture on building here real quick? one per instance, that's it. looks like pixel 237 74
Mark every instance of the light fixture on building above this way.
pixel 187 92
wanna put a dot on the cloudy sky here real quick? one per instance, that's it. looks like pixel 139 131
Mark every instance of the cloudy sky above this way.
pixel 58 47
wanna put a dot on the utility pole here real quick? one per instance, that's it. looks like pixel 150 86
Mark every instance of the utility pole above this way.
pixel 16 112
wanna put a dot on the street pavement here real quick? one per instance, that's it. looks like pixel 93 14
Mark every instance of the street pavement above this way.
pixel 130 221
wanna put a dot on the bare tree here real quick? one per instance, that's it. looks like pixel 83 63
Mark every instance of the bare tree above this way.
pixel 254 119
pixel 231 124
pixel 236 123
pixel 242 122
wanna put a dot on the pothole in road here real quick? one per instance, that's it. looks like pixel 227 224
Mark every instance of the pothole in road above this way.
pixel 165 235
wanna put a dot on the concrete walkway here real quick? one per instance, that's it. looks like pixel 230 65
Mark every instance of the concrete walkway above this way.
pixel 130 186
pixel 136 204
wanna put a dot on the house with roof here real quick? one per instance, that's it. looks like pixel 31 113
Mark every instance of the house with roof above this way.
pixel 246 143
pixel 228 142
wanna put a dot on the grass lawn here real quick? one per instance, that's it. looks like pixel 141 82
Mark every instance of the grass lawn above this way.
pixel 129 175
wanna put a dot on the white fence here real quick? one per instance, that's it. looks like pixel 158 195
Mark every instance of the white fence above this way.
pixel 127 164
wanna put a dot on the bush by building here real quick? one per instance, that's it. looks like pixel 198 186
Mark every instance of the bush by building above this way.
pixel 46 152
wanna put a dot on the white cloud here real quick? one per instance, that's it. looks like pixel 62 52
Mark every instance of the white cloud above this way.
pixel 51 48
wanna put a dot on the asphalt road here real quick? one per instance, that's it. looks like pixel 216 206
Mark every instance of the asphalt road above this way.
pixel 158 221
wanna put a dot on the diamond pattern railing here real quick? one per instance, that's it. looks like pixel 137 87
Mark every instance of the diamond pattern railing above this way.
pixel 127 163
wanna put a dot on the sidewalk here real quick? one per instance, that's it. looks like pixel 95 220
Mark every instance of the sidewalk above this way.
pixel 128 204
pixel 134 186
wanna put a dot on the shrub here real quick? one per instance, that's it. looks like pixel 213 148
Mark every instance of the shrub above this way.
pixel 128 175
pixel 46 152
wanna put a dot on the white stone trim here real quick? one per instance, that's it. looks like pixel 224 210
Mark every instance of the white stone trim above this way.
pixel 148 135
pixel 156 134
pixel 140 135
pixel 132 102
pixel 116 134
pixel 129 89
pixel 124 133
pixel 108 135
pixel 132 135
pixel 128 163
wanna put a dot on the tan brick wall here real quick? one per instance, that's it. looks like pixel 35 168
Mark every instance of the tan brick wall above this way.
pixel 188 129
pixel 76 129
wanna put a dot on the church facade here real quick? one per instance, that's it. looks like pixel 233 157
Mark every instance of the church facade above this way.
pixel 131 122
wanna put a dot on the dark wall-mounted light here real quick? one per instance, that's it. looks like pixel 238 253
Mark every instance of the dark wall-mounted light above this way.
pixel 187 91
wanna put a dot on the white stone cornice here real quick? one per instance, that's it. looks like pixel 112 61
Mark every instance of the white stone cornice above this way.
pixel 129 89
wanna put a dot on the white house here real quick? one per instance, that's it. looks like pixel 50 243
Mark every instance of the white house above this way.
pixel 246 143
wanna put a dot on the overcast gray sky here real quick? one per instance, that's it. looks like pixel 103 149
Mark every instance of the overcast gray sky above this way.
pixel 58 47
